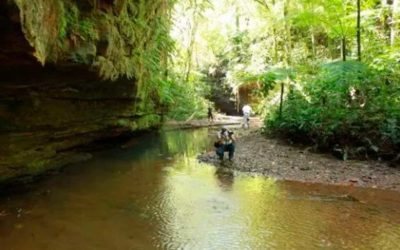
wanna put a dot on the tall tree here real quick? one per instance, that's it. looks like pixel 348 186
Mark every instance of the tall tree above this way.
pixel 359 30
pixel 193 31
pixel 393 10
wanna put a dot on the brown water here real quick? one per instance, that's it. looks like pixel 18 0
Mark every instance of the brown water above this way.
pixel 155 195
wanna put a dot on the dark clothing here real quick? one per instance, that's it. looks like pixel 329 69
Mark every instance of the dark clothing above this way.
pixel 225 148
pixel 225 143
pixel 210 115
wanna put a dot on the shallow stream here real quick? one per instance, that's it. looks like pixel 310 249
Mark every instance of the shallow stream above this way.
pixel 153 194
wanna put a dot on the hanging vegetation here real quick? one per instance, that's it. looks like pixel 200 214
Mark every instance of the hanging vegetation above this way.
pixel 121 38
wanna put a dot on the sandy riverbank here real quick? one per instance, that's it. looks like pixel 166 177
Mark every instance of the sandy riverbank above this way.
pixel 275 158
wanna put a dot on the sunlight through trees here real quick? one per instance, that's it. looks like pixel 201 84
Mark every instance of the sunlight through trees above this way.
pixel 292 53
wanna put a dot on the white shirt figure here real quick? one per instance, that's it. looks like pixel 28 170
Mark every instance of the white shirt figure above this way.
pixel 246 110
pixel 246 116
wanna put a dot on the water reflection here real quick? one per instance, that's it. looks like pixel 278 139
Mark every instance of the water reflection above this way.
pixel 154 194
pixel 225 178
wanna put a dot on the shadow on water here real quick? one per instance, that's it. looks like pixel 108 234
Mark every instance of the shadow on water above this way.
pixel 153 194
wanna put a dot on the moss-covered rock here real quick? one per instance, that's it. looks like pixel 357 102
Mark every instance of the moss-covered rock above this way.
pixel 74 72
pixel 46 122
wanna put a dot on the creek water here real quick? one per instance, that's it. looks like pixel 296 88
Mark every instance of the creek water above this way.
pixel 154 194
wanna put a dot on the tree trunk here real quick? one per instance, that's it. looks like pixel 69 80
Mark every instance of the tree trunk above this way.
pixel 281 98
pixel 237 19
pixel 388 20
pixel 288 43
pixel 344 51
pixel 276 56
pixel 358 30
pixel 313 46
pixel 237 96
pixel 288 52
pixel 191 43
pixel 392 23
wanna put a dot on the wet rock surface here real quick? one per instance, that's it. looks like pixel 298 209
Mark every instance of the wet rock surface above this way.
pixel 256 153
pixel 54 106
pixel 52 117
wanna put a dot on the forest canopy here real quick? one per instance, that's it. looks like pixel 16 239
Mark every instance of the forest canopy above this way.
pixel 322 72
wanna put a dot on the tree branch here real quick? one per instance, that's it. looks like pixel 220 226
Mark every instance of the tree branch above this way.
pixel 263 3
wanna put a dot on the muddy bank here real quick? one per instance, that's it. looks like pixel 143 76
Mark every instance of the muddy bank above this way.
pixel 275 158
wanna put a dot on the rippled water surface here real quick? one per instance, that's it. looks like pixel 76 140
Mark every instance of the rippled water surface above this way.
pixel 155 195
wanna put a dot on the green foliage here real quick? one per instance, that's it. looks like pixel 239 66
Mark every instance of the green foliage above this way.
pixel 268 79
pixel 347 103
pixel 125 38
pixel 184 100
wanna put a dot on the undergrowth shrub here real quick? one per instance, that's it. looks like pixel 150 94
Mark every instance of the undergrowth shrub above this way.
pixel 348 107
pixel 184 100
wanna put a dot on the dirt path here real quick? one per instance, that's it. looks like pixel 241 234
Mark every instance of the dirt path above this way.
pixel 258 154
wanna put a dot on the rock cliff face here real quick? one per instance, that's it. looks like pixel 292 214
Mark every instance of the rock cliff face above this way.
pixel 48 112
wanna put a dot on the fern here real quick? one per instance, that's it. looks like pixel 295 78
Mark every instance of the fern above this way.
pixel 136 35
